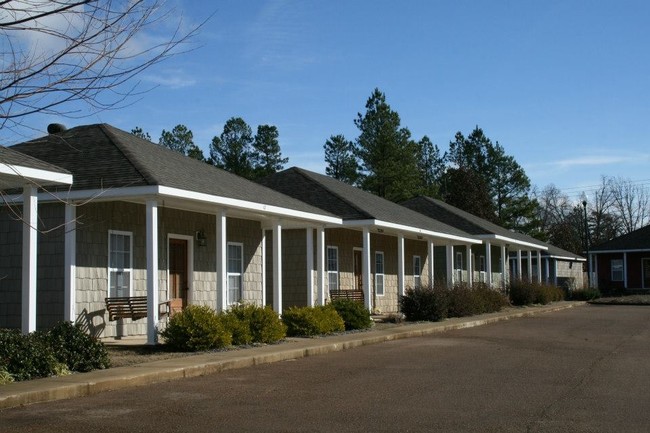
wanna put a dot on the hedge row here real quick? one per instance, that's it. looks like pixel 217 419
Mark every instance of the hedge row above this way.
pixel 437 302
pixel 523 292
pixel 58 351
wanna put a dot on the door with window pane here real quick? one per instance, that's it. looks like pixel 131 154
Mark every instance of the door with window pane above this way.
pixel 178 281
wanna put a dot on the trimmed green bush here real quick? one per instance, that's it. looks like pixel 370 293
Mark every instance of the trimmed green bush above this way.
pixel 311 321
pixel 584 294
pixel 76 349
pixel 196 328
pixel 425 303
pixel 27 357
pixel 253 324
pixel 354 314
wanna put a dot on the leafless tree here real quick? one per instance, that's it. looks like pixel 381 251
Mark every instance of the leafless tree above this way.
pixel 57 52
pixel 631 203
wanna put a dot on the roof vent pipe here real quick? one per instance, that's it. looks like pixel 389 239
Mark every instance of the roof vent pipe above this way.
pixel 55 128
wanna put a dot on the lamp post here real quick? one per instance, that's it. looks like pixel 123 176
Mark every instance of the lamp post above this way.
pixel 584 205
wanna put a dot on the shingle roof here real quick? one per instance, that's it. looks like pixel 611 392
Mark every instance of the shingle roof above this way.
pixel 636 240
pixel 349 202
pixel 462 220
pixel 101 156
pixel 16 161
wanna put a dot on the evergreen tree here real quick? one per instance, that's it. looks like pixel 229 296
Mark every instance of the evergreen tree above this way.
pixel 267 157
pixel 388 156
pixel 233 149
pixel 180 139
pixel 431 166
pixel 340 159
pixel 138 132
pixel 467 190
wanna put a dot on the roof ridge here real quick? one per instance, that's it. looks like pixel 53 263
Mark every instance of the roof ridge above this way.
pixel 128 154
pixel 307 175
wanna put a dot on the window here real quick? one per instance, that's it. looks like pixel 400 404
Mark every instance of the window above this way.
pixel 617 270
pixel 235 271
pixel 417 271
pixel 333 268
pixel 459 260
pixel 379 273
pixel 120 275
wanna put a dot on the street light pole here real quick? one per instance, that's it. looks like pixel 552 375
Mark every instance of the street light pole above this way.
pixel 584 205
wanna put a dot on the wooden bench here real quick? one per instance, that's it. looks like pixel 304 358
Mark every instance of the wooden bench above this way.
pixel 353 295
pixel 127 307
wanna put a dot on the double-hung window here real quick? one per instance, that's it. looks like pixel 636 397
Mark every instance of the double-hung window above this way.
pixel 617 270
pixel 235 271
pixel 120 255
pixel 379 273
pixel 333 268
pixel 417 271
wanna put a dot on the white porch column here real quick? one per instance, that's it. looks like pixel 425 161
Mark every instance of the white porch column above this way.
pixel 263 268
pixel 400 264
pixel 152 271
pixel 488 263
pixel 539 266
pixel 529 265
pixel 431 249
pixel 277 267
pixel 30 246
pixel 320 264
pixel 519 276
pixel 222 250
pixel 470 265
pixel 309 241
pixel 504 275
pixel 555 272
pixel 625 270
pixel 69 260
pixel 365 269
pixel 450 265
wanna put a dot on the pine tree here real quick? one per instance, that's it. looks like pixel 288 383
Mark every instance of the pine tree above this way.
pixel 340 159
pixel 233 149
pixel 267 157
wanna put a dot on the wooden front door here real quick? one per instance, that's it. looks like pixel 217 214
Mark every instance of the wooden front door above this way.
pixel 358 275
pixel 178 284
pixel 645 265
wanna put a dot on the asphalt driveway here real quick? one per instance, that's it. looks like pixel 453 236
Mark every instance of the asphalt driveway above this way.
pixel 583 369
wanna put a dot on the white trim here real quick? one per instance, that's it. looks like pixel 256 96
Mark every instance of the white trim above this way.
pixel 30 256
pixel 400 264
pixel 263 267
pixel 239 274
pixel 488 263
pixel 642 250
pixel 320 264
pixel 70 265
pixel 513 241
pixel 431 248
pixel 567 259
pixel 449 250
pixel 277 267
pixel 309 256
pixel 190 264
pixel 380 274
pixel 31 175
pixel 152 271
pixel 108 264
pixel 365 269
pixel 417 278
pixel 221 241
pixel 408 229
pixel 327 266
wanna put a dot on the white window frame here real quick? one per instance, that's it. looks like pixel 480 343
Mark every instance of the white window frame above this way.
pixel 332 273
pixel 239 274
pixel 618 267
pixel 379 276
pixel 112 269
pixel 417 272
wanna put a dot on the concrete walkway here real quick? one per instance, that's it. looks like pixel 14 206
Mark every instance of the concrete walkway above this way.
pixel 82 384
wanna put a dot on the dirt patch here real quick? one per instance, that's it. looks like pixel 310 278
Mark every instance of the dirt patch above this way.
pixel 623 300
pixel 122 355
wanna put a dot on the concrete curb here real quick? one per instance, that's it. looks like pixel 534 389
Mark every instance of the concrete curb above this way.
pixel 83 384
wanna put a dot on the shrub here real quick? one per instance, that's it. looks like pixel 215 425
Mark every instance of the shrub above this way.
pixel 253 324
pixel 425 303
pixel 521 292
pixel 26 357
pixel 311 321
pixel 76 349
pixel 463 301
pixel 491 300
pixel 354 314
pixel 196 328
pixel 584 294
pixel 5 376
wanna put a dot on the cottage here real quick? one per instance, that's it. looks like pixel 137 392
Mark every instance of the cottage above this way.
pixel 623 263
pixel 141 220
pixel 381 248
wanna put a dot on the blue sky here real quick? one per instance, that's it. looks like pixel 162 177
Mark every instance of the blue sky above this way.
pixel 564 86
